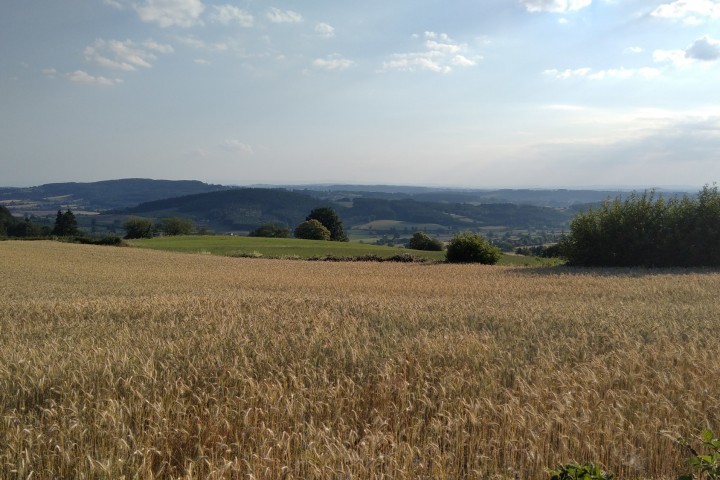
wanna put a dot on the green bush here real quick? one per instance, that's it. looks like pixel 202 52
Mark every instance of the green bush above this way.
pixel 137 227
pixel 172 226
pixel 270 230
pixel 421 241
pixel 471 248
pixel 574 471
pixel 643 230
pixel 330 220
pixel 706 461
pixel 312 230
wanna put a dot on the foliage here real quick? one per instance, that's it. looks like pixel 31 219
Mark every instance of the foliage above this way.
pixel 643 230
pixel 312 230
pixel 706 462
pixel 270 230
pixel 176 226
pixel 65 224
pixel 330 220
pixel 138 227
pixel 574 471
pixel 471 248
pixel 422 241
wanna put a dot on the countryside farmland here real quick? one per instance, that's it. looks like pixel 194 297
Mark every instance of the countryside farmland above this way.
pixel 134 363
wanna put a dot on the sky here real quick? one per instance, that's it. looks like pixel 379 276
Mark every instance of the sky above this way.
pixel 466 93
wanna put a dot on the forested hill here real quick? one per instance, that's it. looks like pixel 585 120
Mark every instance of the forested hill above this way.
pixel 107 194
pixel 237 209
pixel 246 208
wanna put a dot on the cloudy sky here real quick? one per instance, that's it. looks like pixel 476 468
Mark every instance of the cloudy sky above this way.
pixel 477 93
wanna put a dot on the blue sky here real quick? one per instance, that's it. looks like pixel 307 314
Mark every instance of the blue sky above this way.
pixel 481 93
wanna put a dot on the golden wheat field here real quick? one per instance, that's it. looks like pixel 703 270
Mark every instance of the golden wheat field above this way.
pixel 127 363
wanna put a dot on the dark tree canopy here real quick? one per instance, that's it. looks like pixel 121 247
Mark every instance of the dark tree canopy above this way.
pixel 270 230
pixel 421 241
pixel 65 224
pixel 312 230
pixel 138 227
pixel 330 220
pixel 172 226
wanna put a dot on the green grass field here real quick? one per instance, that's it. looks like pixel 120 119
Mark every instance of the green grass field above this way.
pixel 291 247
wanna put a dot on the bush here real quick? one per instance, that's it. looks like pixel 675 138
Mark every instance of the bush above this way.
pixel 330 220
pixel 172 226
pixel 270 230
pixel 312 230
pixel 574 471
pixel 421 241
pixel 471 248
pixel 137 227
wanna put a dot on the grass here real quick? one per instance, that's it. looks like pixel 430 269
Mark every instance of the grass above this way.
pixel 131 363
pixel 290 247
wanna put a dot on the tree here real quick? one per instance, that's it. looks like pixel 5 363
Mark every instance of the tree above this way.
pixel 312 230
pixel 468 247
pixel 330 220
pixel 270 230
pixel 172 226
pixel 65 224
pixel 421 241
pixel 138 227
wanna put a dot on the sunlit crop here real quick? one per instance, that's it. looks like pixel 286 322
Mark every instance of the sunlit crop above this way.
pixel 129 363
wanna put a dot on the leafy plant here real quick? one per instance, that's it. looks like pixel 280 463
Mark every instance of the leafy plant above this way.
pixel 575 471
pixel 707 461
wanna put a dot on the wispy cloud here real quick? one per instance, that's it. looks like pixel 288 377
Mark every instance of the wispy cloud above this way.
pixel 127 55
pixel 610 73
pixel 689 12
pixel 170 13
pixel 275 15
pixel 440 55
pixel 80 76
pixel 555 6
pixel 333 62
pixel 229 14
pixel 238 147
pixel 325 30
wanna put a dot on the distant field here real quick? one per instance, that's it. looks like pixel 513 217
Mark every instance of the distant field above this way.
pixel 130 363
pixel 291 247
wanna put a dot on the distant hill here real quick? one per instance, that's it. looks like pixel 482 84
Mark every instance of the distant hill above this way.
pixel 237 209
pixel 103 195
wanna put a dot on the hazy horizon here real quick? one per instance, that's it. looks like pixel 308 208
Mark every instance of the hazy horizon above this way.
pixel 470 93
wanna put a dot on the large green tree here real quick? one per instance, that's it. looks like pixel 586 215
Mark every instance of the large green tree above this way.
pixel 312 230
pixel 270 230
pixel 138 227
pixel 172 226
pixel 330 220
pixel 65 224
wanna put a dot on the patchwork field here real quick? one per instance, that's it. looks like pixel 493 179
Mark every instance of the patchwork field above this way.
pixel 133 363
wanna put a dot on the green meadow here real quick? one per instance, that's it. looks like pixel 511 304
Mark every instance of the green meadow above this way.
pixel 293 248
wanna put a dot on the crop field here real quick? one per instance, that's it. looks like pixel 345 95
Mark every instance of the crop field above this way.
pixel 134 363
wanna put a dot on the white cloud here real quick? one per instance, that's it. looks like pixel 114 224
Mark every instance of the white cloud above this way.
pixel 236 146
pixel 198 44
pixel 690 12
pixel 610 73
pixel 555 6
pixel 275 15
pixel 633 50
pixel 227 14
pixel 325 30
pixel 705 48
pixel 441 54
pixel 333 62
pixel 169 13
pixel 50 73
pixel 80 76
pixel 126 55
pixel 201 61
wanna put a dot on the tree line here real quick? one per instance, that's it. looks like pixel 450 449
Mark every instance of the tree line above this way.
pixel 647 230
